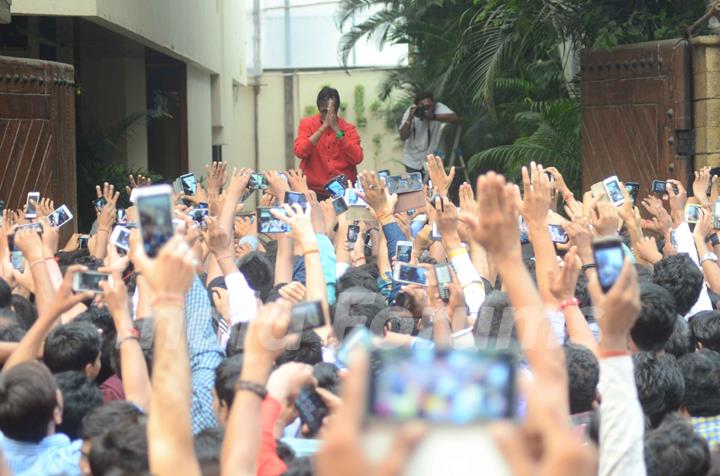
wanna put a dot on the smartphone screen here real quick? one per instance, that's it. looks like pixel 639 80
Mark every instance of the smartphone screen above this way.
pixel 383 175
pixel 100 203
pixel 614 192
pixel 335 188
pixel 692 214
pixel 121 218
pixel 633 189
pixel 29 206
pixel 189 184
pixel 406 273
pixel 442 273
pixel 121 238
pixel 18 260
pixel 198 214
pixel 353 233
pixel 558 234
pixel 306 316
pixel 403 251
pixel 267 223
pixel 353 199
pixel 609 259
pixel 89 281
pixel 339 205
pixel 296 198
pixel 446 387
pixel 257 182
pixel 59 217
pixel 156 220
pixel 659 186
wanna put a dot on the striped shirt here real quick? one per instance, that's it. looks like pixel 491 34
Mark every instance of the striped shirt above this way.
pixel 54 455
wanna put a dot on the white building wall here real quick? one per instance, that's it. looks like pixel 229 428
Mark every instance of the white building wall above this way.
pixel 199 119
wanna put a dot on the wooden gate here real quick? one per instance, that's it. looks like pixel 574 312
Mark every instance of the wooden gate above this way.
pixel 37 133
pixel 636 113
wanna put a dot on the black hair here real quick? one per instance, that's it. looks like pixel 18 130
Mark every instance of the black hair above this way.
pixel 25 311
pixel 370 267
pixel 705 330
pixel 208 444
pixel 308 350
pixel 401 321
pixel 659 383
pixel 80 395
pixel 327 376
pixel 420 95
pixel 674 449
pixel 701 370
pixel 71 346
pixel 327 93
pixel 109 352
pixel 680 341
pixel 99 419
pixel 300 467
pixel 358 306
pixel 681 276
pixel 226 374
pixel 123 446
pixel 258 271
pixel 236 342
pixel 5 294
pixel 11 331
pixel 656 321
pixel 356 277
pixel 583 376
pixel 495 324
pixel 284 452
pixel 28 398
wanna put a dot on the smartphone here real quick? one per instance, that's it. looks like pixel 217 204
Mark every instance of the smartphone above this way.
pixel 692 213
pixel 198 215
pixel 353 233
pixel 121 217
pixel 598 191
pixel 90 281
pixel 455 387
pixel 336 187
pixel 435 233
pixel 18 260
pixel 30 211
pixel 257 181
pixel 550 177
pixel 37 227
pixel 405 273
pixel 311 409
pixel 83 241
pixel 358 336
pixel 383 175
pixel 559 235
pixel 60 216
pixel 609 259
pixel 188 183
pixel 660 186
pixel 444 278
pixel 613 190
pixel 714 240
pixel 306 316
pixel 100 203
pixel 716 214
pixel 403 251
pixel 121 237
pixel 267 223
pixel 417 224
pixel 633 189
pixel 411 182
pixel 339 205
pixel 154 204
pixel 353 199
pixel 296 198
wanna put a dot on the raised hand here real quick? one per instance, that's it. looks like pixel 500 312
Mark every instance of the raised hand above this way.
pixel 677 201
pixel 605 219
pixel 467 199
pixel 702 184
pixel 171 272
pixel 238 183
pixel 220 241
pixel 106 216
pixel 300 222
pixel 646 250
pixel 216 176
pixel 297 180
pixel 135 183
pixel 375 193
pixel 536 195
pixel 436 170
pixel 294 292
pixel 445 215
pixel 44 208
pixel 562 283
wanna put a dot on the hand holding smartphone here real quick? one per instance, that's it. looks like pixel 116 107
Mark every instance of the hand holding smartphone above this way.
pixel 89 281
pixel 609 259
pixel 154 205
pixel 33 198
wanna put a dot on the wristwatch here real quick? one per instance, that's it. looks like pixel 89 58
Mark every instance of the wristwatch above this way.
pixel 709 257
pixel 340 133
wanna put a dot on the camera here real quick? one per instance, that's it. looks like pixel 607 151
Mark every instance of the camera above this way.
pixel 420 111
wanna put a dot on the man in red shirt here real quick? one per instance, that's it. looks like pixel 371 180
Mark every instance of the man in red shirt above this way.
pixel 327 145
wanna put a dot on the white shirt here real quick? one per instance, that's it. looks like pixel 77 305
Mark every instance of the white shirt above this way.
pixel 424 137
pixel 686 244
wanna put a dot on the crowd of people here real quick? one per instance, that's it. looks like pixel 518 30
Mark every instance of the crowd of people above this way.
pixel 233 351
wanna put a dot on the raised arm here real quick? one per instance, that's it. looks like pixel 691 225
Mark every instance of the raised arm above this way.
pixel 31 246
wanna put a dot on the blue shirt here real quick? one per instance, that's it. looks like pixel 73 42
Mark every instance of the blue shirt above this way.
pixel 328 261
pixel 205 355
pixel 53 455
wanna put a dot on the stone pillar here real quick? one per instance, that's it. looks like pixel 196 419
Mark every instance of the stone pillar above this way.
pixel 5 11
pixel 706 100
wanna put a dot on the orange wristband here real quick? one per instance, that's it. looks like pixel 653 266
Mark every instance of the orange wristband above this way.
pixel 171 298
pixel 309 252
pixel 383 216
pixel 37 261
pixel 613 353
pixel 457 252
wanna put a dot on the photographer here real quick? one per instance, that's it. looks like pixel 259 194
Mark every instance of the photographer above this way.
pixel 421 128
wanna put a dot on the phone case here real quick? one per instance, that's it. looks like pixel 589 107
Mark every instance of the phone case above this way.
pixel 311 408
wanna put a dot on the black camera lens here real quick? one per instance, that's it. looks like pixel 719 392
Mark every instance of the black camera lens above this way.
pixel 420 111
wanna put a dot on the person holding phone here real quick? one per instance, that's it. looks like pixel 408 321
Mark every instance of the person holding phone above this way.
pixel 421 128
pixel 327 145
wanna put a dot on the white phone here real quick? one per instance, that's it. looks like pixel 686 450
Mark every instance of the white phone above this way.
pixel 60 216
pixel 121 237
pixel 408 274
pixel 30 211
pixel 90 281
pixel 614 190
pixel 154 205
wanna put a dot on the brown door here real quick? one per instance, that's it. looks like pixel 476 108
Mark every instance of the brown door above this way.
pixel 37 133
pixel 636 115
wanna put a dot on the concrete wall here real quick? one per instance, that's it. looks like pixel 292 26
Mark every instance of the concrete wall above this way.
pixel 382 147
pixel 199 120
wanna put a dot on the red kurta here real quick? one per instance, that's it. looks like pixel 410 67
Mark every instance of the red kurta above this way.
pixel 331 156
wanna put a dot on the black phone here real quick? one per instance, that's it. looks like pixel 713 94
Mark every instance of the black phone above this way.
pixel 340 205
pixel 100 203
pixel 312 409
pixel 257 181
pixel 609 259
pixel 306 316
pixel 83 242
pixel 121 217
pixel 660 186
pixel 353 233
pixel 296 198
pixel 189 183
pixel 336 186
pixel 633 189
pixel 267 223
pixel 444 278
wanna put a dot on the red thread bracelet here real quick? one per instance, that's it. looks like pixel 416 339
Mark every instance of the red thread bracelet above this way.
pixel 569 303
pixel 176 298
pixel 613 353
